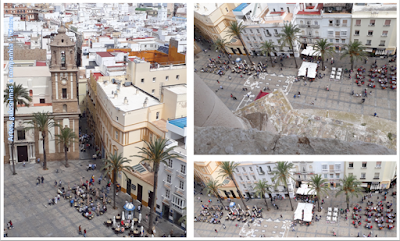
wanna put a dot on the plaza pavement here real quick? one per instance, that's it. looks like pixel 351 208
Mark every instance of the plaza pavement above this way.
pixel 26 203
pixel 272 225
pixel 382 102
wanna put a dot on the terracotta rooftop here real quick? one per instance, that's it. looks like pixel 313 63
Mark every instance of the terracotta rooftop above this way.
pixel 105 54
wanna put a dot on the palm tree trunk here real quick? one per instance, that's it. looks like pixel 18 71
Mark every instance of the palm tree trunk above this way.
pixel 351 61
pixel 114 177
pixel 270 57
pixel 347 201
pixel 265 199
pixel 295 62
pixel 323 66
pixel 13 145
pixel 66 156
pixel 319 206
pixel 290 200
pixel 44 150
pixel 245 50
pixel 152 200
pixel 240 194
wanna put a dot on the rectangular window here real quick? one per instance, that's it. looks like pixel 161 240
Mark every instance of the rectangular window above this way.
pixel 351 164
pixel 241 179
pixel 382 43
pixel 157 115
pixel 154 79
pixel 350 174
pixel 166 78
pixel 244 186
pixel 331 175
pixel 324 167
pixel 343 41
pixel 372 22
pixel 337 175
pixel 64 93
pixel 343 33
pixel 376 176
pixel 337 166
pixel 315 22
pixel 261 38
pixel 254 177
pixel 247 178
pixel 364 164
pixel 183 169
pixel 167 193
pixel 152 91
pixel 330 32
pixel 21 134
pixel 368 42
pixel 237 170
pixel 116 135
pixel 244 169
pixel 42 101
pixel 387 22
pixel 168 178
pixel 384 33
pixel 363 175
pixel 370 32
pixel 142 80
pixel 177 77
pixel 251 31
pixel 269 168
pixel 258 31
pixel 248 38
pixel 378 164
pixel 169 163
pixel 358 22
pixel 181 185
pixel 357 32
pixel 337 40
pixel 251 169
pixel 344 23
pixel 254 38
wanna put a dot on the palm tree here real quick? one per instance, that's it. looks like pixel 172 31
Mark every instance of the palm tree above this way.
pixel 262 189
pixel 350 187
pixel 289 36
pixel 42 122
pixel 227 169
pixel 212 187
pixel 66 138
pixel 282 174
pixel 155 152
pixel 354 50
pixel 220 44
pixel 20 96
pixel 322 46
pixel 115 164
pixel 266 48
pixel 318 186
pixel 235 30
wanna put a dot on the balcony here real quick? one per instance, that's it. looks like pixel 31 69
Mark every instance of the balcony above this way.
pixel 378 167
pixel 181 175
pixel 165 199
pixel 370 35
pixel 167 184
pixel 337 25
pixel 308 26
pixel 386 25
pixel 331 25
pixel 179 191
pixel 357 25
pixel 376 178
pixel 356 34
pixel 384 36
pixel 168 169
pixel 371 25
pixel 353 167
pixel 381 44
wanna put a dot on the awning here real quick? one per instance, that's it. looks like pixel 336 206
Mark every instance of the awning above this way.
pixel 385 182
pixel 364 185
pixel 368 50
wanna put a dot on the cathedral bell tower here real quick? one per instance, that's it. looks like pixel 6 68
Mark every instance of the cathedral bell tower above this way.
pixel 63 71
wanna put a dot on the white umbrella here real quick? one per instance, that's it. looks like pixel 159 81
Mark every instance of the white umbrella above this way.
pixel 140 217
pixel 123 216
pixel 114 222
pixel 133 224
pixel 239 206
pixel 141 230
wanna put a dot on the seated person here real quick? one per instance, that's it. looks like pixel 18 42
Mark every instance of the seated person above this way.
pixel 122 222
pixel 86 214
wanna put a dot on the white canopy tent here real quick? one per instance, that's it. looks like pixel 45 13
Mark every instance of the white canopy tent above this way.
pixel 310 51
pixel 307 212
pixel 305 191
pixel 312 69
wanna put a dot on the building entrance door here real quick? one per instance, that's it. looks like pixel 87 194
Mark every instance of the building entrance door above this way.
pixel 139 192
pixel 233 194
pixel 22 153
pixel 128 186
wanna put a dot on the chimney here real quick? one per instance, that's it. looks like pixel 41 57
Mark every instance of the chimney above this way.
pixel 125 101
pixel 145 102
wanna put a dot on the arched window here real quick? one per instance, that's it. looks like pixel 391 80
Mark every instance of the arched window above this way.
pixel 64 108
pixel 62 58
pixel 30 92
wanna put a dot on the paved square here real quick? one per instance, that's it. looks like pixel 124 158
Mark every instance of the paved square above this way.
pixel 382 102
pixel 272 225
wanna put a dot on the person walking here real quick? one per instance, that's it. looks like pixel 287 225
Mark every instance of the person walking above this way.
pixel 80 230
pixel 42 178
pixel 281 216
pixel 11 224
pixel 5 233
pixel 84 233
pixel 37 181
pixel 216 230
